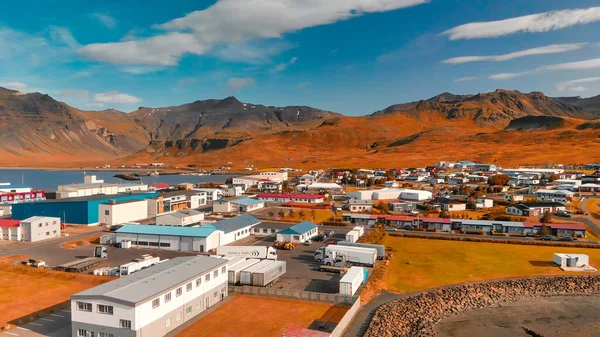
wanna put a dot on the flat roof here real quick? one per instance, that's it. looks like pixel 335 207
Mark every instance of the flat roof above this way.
pixel 289 196
pixel 91 185
pixel 202 231
pixel 10 223
pixel 148 283
pixel 121 202
pixel 37 218
pixel 300 228
pixel 141 194
pixel 236 223
pixel 273 225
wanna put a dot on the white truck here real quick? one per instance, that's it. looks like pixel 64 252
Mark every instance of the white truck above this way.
pixel 334 255
pixel 380 248
pixel 250 252
pixel 138 264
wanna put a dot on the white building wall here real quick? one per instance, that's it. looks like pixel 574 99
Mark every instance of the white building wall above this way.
pixel 122 213
pixel 224 207
pixel 120 311
pixel 38 229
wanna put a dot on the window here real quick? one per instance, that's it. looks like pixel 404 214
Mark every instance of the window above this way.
pixel 198 304
pixel 223 270
pixel 167 297
pixel 207 277
pixel 155 303
pixel 105 309
pixel 179 316
pixel 188 287
pixel 188 310
pixel 216 273
pixel 54 222
pixel 168 322
pixel 178 292
pixel 40 224
pixel 47 233
pixel 106 212
pixel 215 294
pixel 153 244
pixel 83 306
pixel 198 282
pixel 265 230
pixel 81 333
pixel 165 244
pixel 105 334
pixel 126 324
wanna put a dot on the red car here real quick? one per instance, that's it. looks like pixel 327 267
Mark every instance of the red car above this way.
pixel 330 243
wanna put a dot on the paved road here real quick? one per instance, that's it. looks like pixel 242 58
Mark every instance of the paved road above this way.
pixel 55 325
pixel 13 248
pixel 588 219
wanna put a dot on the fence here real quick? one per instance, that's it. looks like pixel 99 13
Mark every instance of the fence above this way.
pixel 294 294
pixel 346 320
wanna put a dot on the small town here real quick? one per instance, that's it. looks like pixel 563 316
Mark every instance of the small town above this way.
pixel 321 240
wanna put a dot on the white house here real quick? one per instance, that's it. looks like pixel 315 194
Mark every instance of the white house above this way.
pixel 307 179
pixel 299 198
pixel 484 203
pixel 211 193
pixel 91 186
pixel 180 218
pixel 270 186
pixel 452 205
pixel 119 212
pixel 275 176
pixel 151 302
pixel 560 196
pixel 239 205
pixel 298 233
pixel 247 182
pixel 356 205
pixel 33 229
pixel 125 188
pixel 513 197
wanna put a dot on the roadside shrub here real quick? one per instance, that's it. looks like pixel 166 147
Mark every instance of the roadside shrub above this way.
pixel 475 231
pixel 431 230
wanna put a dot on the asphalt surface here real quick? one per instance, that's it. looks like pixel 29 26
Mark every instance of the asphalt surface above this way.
pixel 55 325
pixel 592 223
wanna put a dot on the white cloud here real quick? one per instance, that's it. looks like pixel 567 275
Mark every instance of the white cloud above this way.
pixel 576 85
pixel 95 105
pixel 255 52
pixel 234 21
pixel 115 97
pixel 303 85
pixel 464 79
pixel 581 65
pixel 105 19
pixel 138 70
pixel 163 50
pixel 551 49
pixel 80 74
pixel 20 49
pixel 18 86
pixel 283 66
pixel 74 93
pixel 235 84
pixel 535 23
pixel 62 35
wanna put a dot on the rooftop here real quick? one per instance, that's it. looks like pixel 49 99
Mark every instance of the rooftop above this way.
pixel 539 204
pixel 143 194
pixel 121 202
pixel 247 201
pixel 10 223
pixel 300 228
pixel 360 202
pixel 236 223
pixel 203 231
pixel 38 218
pixel 289 196
pixel 92 185
pixel 183 213
pixel 148 283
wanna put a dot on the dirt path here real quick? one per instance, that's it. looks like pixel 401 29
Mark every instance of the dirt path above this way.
pixel 556 316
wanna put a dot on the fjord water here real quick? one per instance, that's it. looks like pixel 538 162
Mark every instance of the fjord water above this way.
pixel 50 179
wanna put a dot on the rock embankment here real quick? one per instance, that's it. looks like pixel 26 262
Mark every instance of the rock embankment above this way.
pixel 415 316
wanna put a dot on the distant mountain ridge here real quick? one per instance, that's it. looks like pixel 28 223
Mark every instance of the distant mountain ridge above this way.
pixel 37 128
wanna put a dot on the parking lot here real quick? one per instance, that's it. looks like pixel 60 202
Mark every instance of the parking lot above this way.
pixel 302 270
pixel 54 325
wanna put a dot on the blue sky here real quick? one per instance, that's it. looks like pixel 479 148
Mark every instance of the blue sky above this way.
pixel 349 56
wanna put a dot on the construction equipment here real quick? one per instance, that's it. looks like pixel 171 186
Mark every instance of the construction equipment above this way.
pixel 333 269
pixel 284 245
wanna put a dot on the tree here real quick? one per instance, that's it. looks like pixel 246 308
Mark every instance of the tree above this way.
pixel 271 215
pixel 313 215
pixel 229 180
pixel 546 218
pixel 545 230
pixel 302 215
pixel 444 214
pixel 499 179
pixel 281 214
pixel 370 182
pixel 553 177
pixel 291 213
pixel 285 187
pixel 384 208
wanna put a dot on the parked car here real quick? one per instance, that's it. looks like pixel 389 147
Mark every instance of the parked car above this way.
pixel 330 243
pixel 391 229
pixel 566 238
pixel 329 233
pixel 563 214
pixel 319 238
pixel 547 238
pixel 307 243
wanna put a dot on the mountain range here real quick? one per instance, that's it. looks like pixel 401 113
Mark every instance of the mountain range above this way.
pixel 505 126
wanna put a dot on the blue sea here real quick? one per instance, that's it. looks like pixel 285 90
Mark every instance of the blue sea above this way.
pixel 50 179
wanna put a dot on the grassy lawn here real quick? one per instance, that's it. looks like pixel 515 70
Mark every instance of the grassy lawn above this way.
pixel 320 215
pixel 420 264
pixel 25 290
pixel 253 316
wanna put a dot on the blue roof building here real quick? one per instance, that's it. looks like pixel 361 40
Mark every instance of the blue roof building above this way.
pixel 298 233
pixel 203 232
pixel 235 224
pixel 79 211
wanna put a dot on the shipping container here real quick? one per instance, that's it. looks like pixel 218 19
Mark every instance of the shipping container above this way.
pixel 267 275
pixel 138 264
pixel 352 236
pixel 360 230
pixel 380 248
pixel 246 274
pixel 233 275
pixel 350 283
pixel 352 255
pixel 250 252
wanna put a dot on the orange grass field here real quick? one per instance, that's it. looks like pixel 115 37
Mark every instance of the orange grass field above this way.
pixel 253 316
pixel 419 264
pixel 26 290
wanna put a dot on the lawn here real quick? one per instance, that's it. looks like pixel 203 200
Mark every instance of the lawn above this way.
pixel 25 290
pixel 420 264
pixel 253 316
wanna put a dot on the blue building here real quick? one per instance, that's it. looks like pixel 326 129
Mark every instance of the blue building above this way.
pixel 79 211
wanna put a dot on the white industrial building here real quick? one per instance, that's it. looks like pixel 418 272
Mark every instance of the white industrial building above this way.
pixel 195 239
pixel 125 188
pixel 274 176
pixel 391 193
pixel 298 233
pixel 8 188
pixel 331 187
pixel 571 260
pixel 239 205
pixel 211 193
pixel 119 212
pixel 90 186
pixel 180 218
pixel 151 302
pixel 33 229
